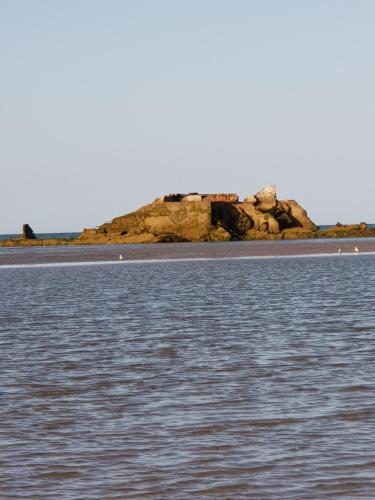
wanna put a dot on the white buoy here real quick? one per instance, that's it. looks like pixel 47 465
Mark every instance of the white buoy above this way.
pixel 356 249
pixel 121 257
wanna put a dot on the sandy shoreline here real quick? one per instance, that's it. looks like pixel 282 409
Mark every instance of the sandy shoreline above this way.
pixel 172 251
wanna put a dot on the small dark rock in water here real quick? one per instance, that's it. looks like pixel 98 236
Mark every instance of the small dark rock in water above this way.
pixel 28 233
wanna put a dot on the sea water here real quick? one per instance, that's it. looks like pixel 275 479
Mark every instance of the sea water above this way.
pixel 192 379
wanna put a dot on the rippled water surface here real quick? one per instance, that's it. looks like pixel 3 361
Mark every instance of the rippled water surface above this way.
pixel 177 380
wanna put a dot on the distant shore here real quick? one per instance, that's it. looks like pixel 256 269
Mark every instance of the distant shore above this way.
pixel 167 251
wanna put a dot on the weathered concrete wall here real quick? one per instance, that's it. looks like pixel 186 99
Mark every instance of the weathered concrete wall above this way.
pixel 164 221
pixel 178 197
pixel 190 220
pixel 228 197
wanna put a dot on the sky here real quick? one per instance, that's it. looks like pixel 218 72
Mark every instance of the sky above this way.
pixel 106 105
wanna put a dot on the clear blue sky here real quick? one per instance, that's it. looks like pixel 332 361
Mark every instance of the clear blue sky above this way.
pixel 107 104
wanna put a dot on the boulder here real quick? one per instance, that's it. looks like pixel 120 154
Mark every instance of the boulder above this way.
pixel 296 215
pixel 266 199
pixel 219 234
pixel 281 213
pixel 260 221
pixel 250 199
pixel 231 217
pixel 268 191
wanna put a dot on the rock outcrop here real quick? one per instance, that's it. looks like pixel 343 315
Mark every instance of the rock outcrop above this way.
pixel 161 221
pixel 207 217
pixel 345 231
pixel 28 233
pixel 266 199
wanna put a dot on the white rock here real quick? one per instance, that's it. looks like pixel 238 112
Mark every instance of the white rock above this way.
pixel 268 191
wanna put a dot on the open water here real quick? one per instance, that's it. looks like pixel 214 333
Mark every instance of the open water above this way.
pixel 219 379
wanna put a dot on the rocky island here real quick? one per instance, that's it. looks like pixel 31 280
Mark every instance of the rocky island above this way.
pixel 207 217
pixel 197 217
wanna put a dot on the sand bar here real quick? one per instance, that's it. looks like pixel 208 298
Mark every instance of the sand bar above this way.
pixel 172 251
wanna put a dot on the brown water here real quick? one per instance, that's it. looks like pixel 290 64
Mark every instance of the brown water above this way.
pixel 174 380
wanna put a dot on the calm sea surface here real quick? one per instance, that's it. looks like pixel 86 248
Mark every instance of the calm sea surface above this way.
pixel 174 380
